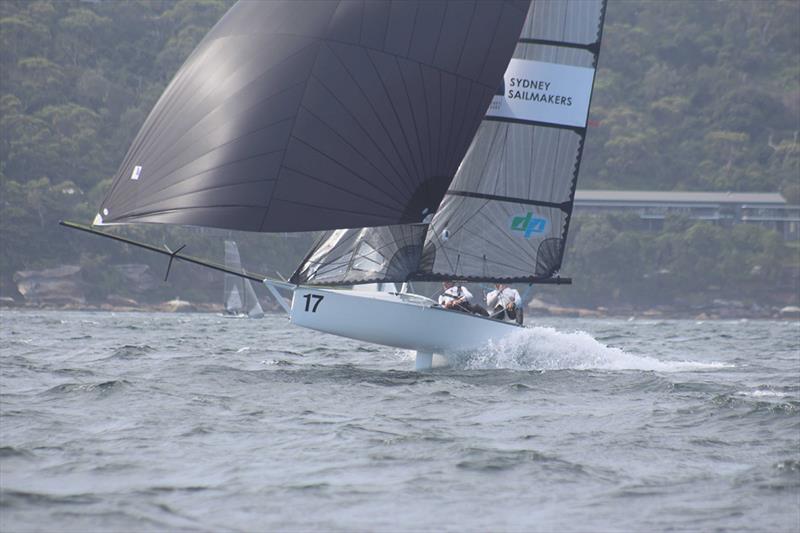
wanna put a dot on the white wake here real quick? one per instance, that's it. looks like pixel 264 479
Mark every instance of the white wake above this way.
pixel 543 348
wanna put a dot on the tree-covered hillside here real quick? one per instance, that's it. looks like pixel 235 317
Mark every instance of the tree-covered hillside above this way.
pixel 698 95
pixel 694 95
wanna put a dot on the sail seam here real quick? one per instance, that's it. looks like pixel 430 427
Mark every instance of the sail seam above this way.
pixel 400 156
pixel 439 34
pixel 428 159
pixel 494 38
pixel 159 114
pixel 391 103
pixel 387 179
pixel 413 30
pixel 211 188
pixel 140 144
pixel 294 124
pixel 157 162
pixel 145 193
pixel 403 175
pixel 348 169
pixel 458 230
pixel 163 150
pixel 424 171
pixel 450 118
pixel 389 220
pixel 329 184
pixel 361 22
pixel 459 135
pixel 154 212
pixel 463 47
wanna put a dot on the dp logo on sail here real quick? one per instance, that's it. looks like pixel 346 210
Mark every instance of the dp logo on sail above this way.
pixel 529 225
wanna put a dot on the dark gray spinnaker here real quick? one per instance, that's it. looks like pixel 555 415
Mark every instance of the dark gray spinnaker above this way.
pixel 313 115
pixel 506 215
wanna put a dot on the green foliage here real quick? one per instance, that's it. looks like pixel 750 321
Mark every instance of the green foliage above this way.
pixel 686 260
pixel 690 95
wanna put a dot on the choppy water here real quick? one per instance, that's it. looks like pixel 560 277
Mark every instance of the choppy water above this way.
pixel 121 422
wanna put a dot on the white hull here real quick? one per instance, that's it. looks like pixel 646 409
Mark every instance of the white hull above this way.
pixel 405 321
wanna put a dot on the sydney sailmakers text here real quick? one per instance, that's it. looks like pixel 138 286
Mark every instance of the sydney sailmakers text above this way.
pixel 536 91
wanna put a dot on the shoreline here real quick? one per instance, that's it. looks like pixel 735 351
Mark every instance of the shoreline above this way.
pixel 548 311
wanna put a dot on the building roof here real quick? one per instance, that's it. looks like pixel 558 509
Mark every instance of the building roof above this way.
pixel 690 197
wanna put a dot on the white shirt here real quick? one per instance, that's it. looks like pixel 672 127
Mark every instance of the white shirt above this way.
pixel 454 293
pixel 504 297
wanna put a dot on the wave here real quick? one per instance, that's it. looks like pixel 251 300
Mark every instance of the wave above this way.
pixel 10 451
pixel 758 403
pixel 544 348
pixel 131 351
pixel 14 498
pixel 487 460
pixel 103 388
pixel 767 394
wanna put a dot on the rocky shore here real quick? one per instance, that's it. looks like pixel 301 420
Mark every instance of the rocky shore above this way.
pixel 716 310
pixel 536 308
pixel 65 288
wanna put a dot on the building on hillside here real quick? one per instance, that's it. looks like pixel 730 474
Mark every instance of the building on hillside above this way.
pixel 766 209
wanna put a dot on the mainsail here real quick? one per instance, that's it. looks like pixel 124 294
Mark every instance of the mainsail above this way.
pixel 297 116
pixel 239 297
pixel 506 214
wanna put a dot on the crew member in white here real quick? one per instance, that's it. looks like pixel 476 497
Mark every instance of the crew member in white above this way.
pixel 459 298
pixel 505 302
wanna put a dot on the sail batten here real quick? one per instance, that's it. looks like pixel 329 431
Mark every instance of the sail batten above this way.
pixel 564 206
pixel 317 115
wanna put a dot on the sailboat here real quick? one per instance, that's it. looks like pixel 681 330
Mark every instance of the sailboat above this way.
pixel 429 140
pixel 240 297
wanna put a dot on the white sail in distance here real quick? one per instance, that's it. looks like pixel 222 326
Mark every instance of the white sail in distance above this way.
pixel 240 297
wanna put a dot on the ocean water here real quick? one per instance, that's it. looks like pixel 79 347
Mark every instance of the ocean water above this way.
pixel 159 422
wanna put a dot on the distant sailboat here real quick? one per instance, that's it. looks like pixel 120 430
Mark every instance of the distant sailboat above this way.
pixel 392 126
pixel 240 297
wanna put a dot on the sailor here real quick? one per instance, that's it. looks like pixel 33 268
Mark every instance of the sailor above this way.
pixel 459 298
pixel 505 302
